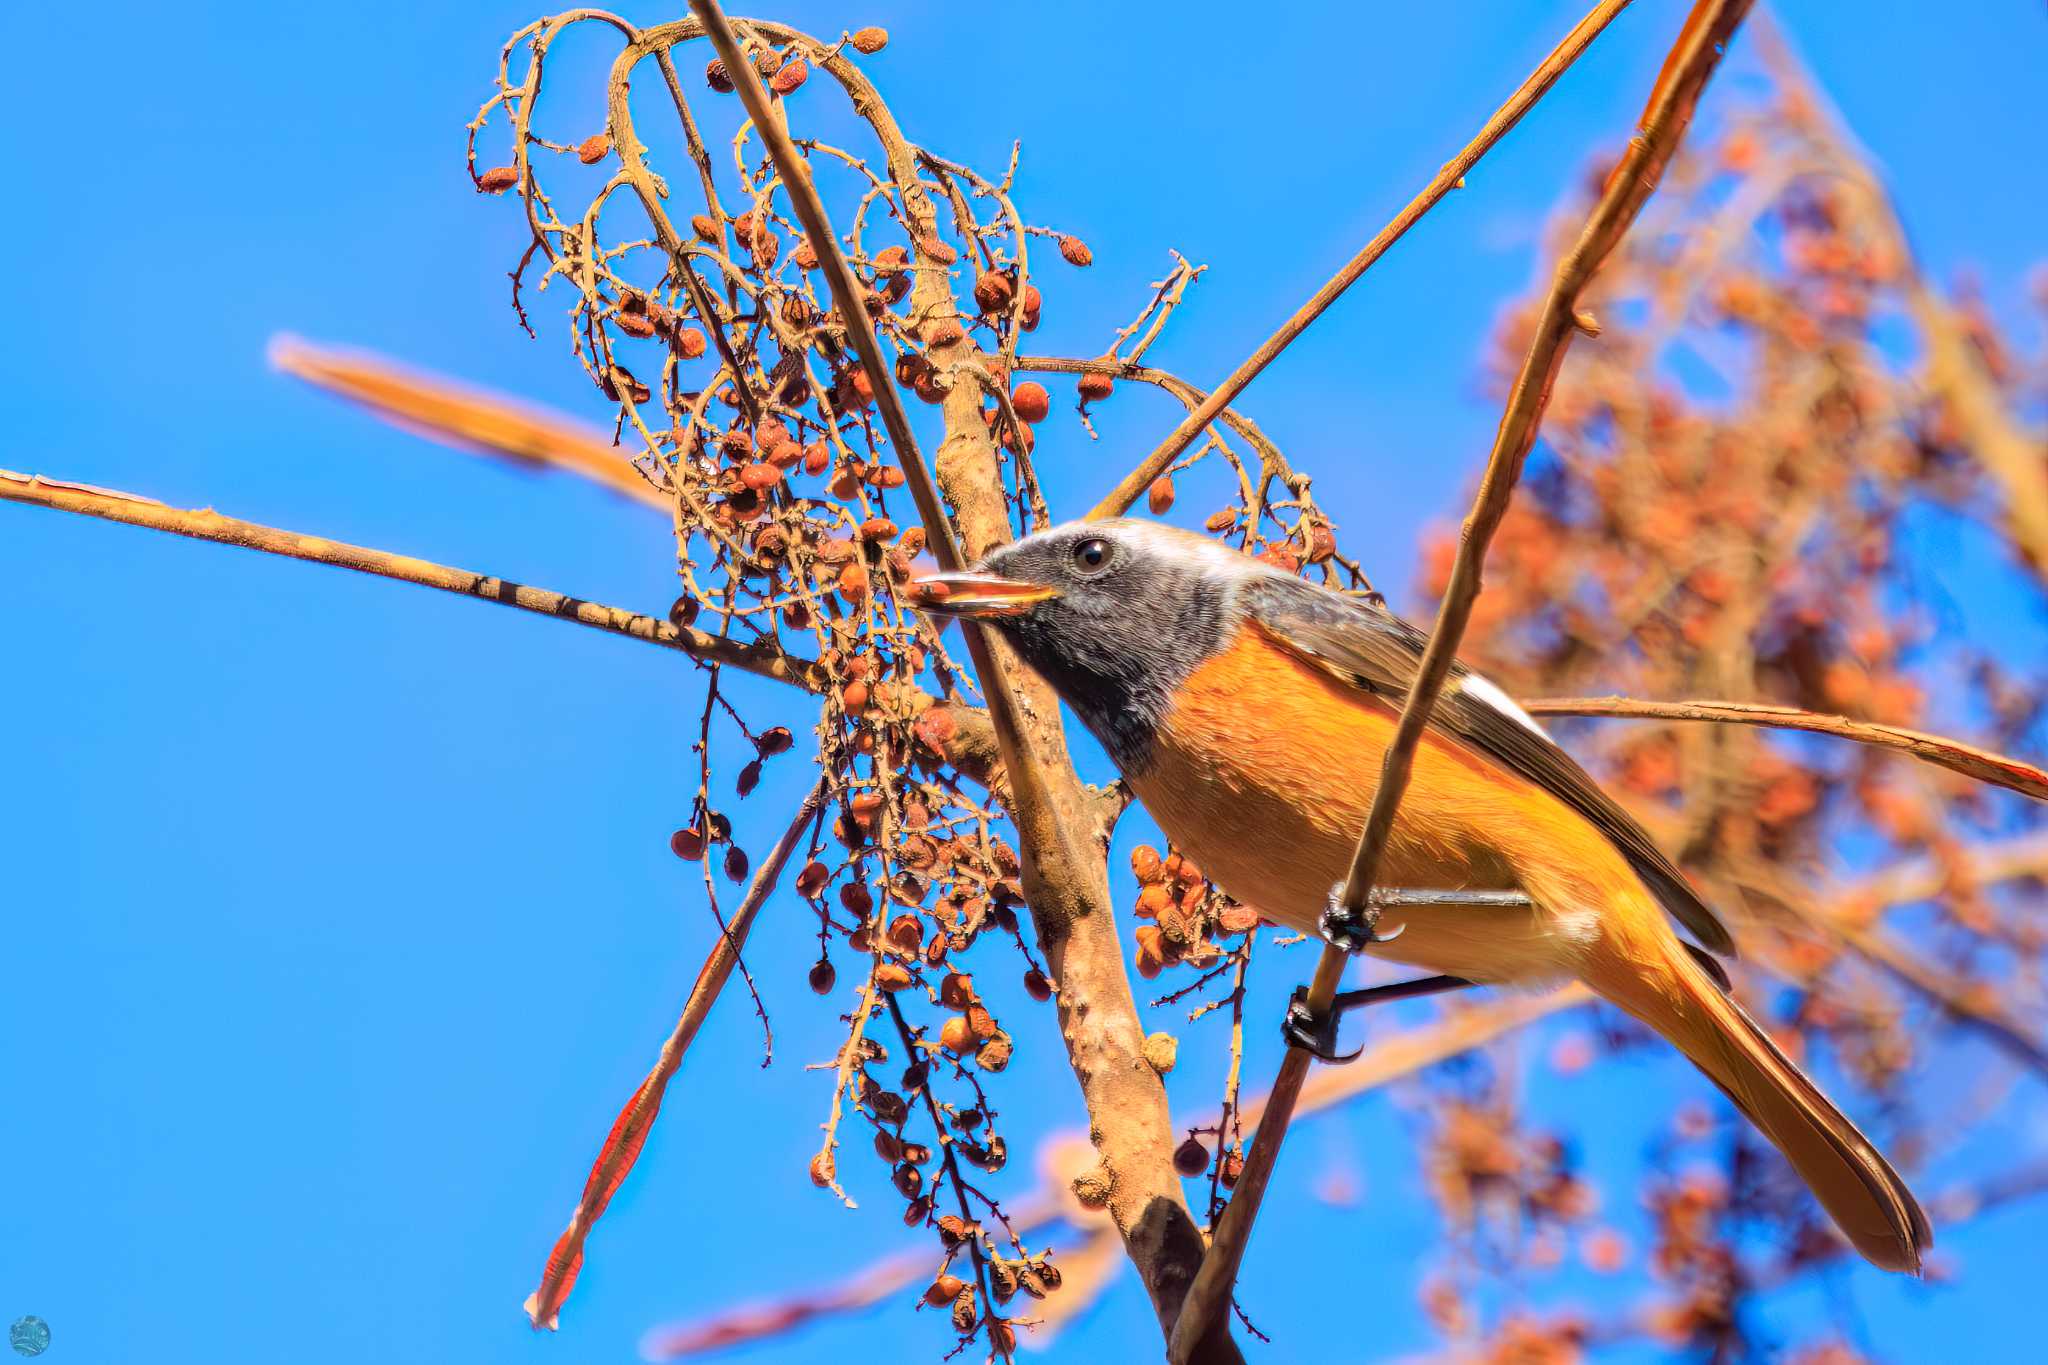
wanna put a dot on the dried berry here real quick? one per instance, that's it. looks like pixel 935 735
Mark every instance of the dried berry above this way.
pixel 736 863
pixel 689 343
pixel 943 1290
pixel 1159 497
pixel 760 476
pixel 777 740
pixel 994 1056
pixel 955 1036
pixel 705 226
pixel 593 149
pixel 789 78
pixel 717 77
pixel 956 992
pixel 993 291
pixel 1162 1050
pixel 682 612
pixel 945 332
pixel 870 40
pixel 823 1168
pixel 1220 521
pixel 1036 986
pixel 748 779
pixel 1191 1158
pixel 811 881
pixel 1031 401
pixel 498 179
pixel 687 843
pixel 1094 386
pixel 1233 1168
pixel 636 324
pixel 823 975
pixel 1075 251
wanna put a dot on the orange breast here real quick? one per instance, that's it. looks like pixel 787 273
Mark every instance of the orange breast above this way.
pixel 1265 770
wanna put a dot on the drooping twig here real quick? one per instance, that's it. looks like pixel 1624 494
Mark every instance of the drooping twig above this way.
pixel 1967 759
pixel 629 1132
pixel 203 523
pixel 1693 58
pixel 1119 499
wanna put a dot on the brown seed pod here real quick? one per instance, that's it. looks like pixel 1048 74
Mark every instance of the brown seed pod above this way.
pixel 594 149
pixel 1036 986
pixel 1094 386
pixel 889 1107
pixel 943 1290
pixel 981 1021
pixel 906 933
pixel 497 179
pixel 889 1147
pixel 876 529
pixel 817 458
pixel 717 77
pixel 1146 864
pixel 916 1153
pixel 994 1054
pixel 1321 543
pixel 736 863
pixel 1233 1168
pixel 789 77
pixel 760 476
pixel 811 881
pixel 823 975
pixel 853 586
pixel 777 740
pixel 1031 402
pixel 1032 302
pixel 870 40
pixel 1191 1158
pixel 687 843
pixel 1075 251
pixel 1152 900
pixel 689 343
pixel 955 1036
pixel 944 332
pixel 956 992
pixel 1221 520
pixel 993 291
pixel 797 616
pixel 635 324
pixel 890 262
pixel 1237 919
pixel 682 612
pixel 892 976
pixel 940 252
pixel 805 255
pixel 856 897
pixel 765 247
pixel 1159 497
pixel 705 226
pixel 965 1314
pixel 823 1168
pixel 1002 1338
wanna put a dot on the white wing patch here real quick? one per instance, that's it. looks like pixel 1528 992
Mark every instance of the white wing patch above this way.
pixel 1485 691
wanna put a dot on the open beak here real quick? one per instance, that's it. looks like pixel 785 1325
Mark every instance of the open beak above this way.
pixel 977 596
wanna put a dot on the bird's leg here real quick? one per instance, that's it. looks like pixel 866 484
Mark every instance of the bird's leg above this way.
pixel 1303 1029
pixel 1353 930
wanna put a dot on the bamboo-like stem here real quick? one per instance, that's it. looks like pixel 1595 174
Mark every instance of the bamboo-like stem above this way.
pixel 1693 58
pixel 203 523
pixel 629 1132
pixel 1957 757
pixel 1064 875
pixel 1120 498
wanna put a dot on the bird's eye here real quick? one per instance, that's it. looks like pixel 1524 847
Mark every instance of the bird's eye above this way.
pixel 1091 556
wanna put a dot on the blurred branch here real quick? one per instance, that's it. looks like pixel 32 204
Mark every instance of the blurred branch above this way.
pixel 629 1132
pixel 1693 59
pixel 1450 177
pixel 488 423
pixel 1954 755
pixel 203 523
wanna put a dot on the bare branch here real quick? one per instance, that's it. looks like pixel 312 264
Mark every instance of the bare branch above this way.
pixel 203 523
pixel 1956 756
pixel 1693 58
pixel 629 1132
pixel 1119 499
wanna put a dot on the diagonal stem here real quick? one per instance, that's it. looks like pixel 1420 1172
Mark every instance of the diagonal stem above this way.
pixel 1693 58
pixel 1450 177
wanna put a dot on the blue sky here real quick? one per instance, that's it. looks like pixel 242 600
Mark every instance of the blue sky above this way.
pixel 339 915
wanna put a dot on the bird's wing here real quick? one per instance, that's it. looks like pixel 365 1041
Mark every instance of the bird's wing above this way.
pixel 1381 653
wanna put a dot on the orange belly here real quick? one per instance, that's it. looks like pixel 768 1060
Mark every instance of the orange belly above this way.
pixel 1264 773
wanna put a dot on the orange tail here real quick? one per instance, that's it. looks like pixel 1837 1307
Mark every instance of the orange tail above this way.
pixel 1666 990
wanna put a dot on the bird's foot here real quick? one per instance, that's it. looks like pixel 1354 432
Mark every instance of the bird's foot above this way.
pixel 1315 1035
pixel 1353 931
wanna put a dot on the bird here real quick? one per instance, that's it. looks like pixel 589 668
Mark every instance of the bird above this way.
pixel 1248 710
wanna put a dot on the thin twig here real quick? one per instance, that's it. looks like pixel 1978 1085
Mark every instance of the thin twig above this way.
pixel 203 523
pixel 1693 58
pixel 629 1132
pixel 1967 759
pixel 1449 178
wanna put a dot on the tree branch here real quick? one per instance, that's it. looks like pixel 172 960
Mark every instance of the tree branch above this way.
pixel 1957 757
pixel 1692 60
pixel 1065 877
pixel 629 1132
pixel 203 523
pixel 1120 498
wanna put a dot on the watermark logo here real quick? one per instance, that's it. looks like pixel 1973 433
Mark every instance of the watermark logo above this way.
pixel 30 1335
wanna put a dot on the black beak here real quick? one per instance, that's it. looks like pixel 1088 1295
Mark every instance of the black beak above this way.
pixel 977 596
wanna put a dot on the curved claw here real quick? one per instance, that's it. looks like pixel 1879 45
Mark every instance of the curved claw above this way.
pixel 1354 932
pixel 1315 1036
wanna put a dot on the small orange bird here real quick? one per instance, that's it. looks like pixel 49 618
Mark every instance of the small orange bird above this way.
pixel 1249 711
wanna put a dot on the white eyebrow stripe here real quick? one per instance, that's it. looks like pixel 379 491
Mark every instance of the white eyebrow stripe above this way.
pixel 1484 689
